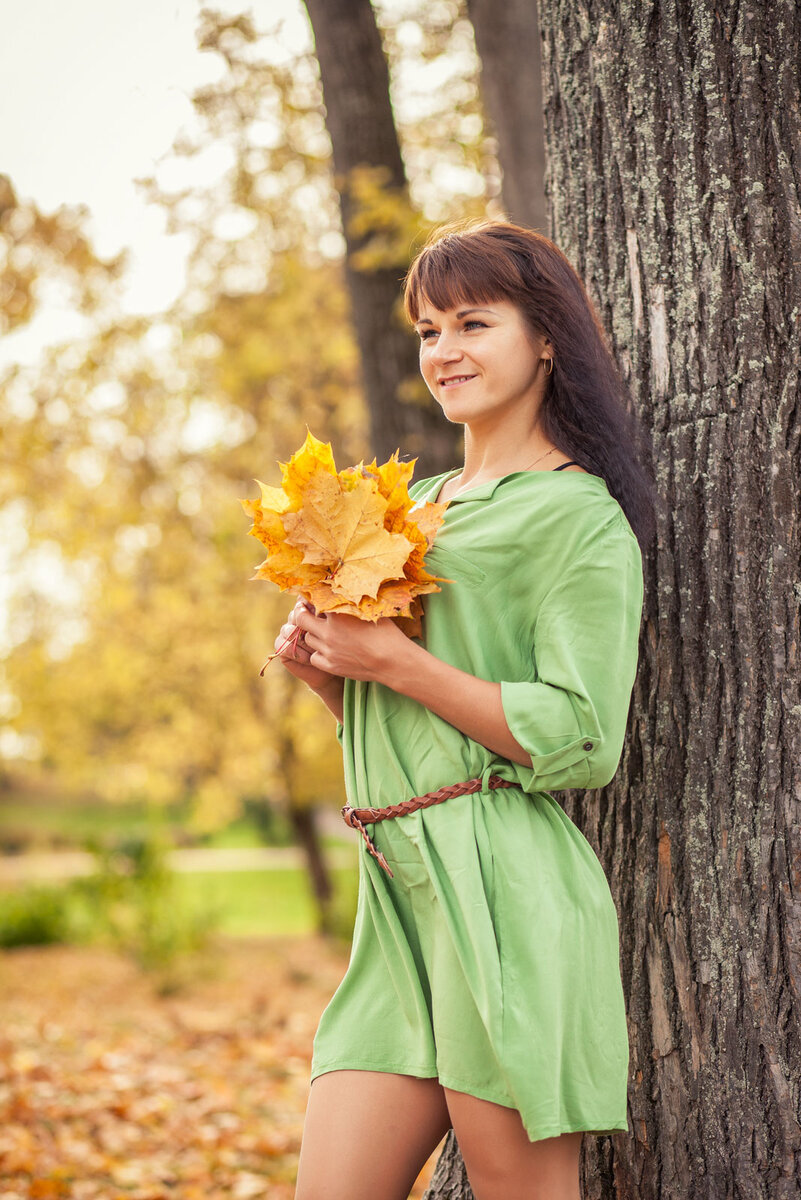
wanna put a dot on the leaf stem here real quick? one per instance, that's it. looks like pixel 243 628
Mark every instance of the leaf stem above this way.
pixel 290 640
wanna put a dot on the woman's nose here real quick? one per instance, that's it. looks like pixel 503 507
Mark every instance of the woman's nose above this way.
pixel 446 349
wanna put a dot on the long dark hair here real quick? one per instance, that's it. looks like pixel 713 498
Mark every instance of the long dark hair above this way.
pixel 586 409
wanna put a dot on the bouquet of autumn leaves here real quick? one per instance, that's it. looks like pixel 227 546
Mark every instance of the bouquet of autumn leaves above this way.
pixel 347 541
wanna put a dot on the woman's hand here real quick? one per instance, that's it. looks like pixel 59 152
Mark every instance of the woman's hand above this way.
pixel 296 654
pixel 349 647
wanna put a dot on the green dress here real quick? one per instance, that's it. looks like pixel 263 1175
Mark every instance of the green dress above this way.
pixel 491 960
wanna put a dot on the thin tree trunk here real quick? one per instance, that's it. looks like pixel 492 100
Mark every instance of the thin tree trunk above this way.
pixel 304 825
pixel 674 166
pixel 508 43
pixel 361 125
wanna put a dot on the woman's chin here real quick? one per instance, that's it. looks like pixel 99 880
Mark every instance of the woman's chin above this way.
pixel 464 413
pixel 456 408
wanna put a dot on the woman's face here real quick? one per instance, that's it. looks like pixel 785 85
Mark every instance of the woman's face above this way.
pixel 481 360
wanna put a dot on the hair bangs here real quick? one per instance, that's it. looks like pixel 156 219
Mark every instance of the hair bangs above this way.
pixel 456 271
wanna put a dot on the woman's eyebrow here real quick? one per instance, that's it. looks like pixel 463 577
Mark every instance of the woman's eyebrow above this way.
pixel 463 312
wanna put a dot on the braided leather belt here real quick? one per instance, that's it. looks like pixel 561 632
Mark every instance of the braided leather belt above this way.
pixel 358 817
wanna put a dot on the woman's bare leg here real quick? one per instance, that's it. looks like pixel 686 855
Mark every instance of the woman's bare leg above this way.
pixel 368 1134
pixel 501 1162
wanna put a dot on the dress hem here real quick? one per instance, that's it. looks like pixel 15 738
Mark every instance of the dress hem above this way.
pixel 535 1134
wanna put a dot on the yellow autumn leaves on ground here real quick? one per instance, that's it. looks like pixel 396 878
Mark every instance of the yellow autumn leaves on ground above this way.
pixel 347 541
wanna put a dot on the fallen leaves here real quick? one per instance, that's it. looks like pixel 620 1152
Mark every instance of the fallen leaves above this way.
pixel 110 1091
pixel 347 541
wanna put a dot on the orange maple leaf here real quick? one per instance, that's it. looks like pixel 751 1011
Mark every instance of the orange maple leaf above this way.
pixel 347 541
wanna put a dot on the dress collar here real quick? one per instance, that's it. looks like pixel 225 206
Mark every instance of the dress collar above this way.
pixel 485 491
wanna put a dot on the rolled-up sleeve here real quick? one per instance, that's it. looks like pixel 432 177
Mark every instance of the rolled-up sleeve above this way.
pixel 571 716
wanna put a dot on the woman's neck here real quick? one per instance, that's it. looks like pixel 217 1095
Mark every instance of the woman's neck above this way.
pixel 487 458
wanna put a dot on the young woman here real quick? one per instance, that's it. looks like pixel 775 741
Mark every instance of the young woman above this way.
pixel 483 990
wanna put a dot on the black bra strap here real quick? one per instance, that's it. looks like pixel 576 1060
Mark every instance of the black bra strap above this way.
pixel 572 463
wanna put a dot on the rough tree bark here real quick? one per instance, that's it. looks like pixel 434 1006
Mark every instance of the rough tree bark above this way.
pixel 360 122
pixel 508 43
pixel 672 133
pixel 674 171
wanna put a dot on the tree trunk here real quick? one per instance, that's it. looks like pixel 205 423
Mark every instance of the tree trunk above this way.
pixel 304 826
pixel 508 43
pixel 674 164
pixel 449 1181
pixel 361 125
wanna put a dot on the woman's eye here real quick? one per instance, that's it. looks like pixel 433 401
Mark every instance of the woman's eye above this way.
pixel 427 334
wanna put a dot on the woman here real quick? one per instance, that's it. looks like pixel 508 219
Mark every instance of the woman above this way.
pixel 484 990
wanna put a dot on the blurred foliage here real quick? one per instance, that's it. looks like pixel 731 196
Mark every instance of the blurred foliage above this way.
pixel 134 633
pixel 161 918
pixel 131 902
pixel 382 219
pixel 451 161
pixel 33 245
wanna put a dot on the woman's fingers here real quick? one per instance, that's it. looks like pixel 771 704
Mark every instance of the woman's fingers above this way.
pixel 302 634
pixel 291 640
pixel 290 643
pixel 309 622
pixel 302 605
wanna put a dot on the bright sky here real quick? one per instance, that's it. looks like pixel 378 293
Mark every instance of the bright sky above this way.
pixel 92 94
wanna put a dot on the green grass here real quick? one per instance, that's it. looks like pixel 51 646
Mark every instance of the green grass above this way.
pixel 35 823
pixel 267 903
pixel 242 834
pixel 71 824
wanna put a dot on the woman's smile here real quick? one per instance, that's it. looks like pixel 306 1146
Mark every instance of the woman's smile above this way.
pixel 450 381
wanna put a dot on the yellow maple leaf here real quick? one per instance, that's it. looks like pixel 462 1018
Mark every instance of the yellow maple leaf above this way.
pixel 344 529
pixel 347 541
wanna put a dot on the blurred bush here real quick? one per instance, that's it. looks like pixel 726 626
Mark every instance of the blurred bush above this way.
pixel 131 902
pixel 137 906
pixel 35 916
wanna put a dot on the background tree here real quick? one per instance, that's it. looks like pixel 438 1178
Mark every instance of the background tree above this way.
pixel 379 228
pixel 508 42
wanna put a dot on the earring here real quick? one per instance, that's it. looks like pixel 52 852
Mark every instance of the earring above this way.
pixel 547 372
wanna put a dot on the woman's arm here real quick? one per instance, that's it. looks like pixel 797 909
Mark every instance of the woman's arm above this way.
pixel 344 646
pixel 472 705
pixel 331 695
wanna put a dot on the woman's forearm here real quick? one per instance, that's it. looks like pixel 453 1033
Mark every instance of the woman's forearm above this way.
pixel 344 646
pixel 470 704
pixel 332 694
